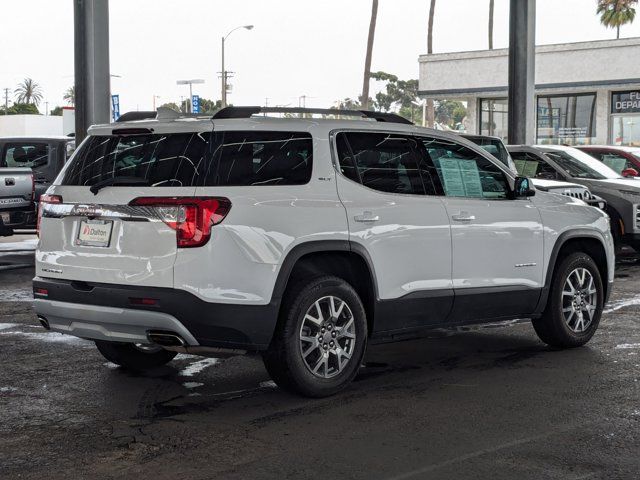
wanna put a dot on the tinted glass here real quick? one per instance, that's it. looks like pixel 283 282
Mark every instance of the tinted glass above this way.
pixel 384 162
pixel 615 162
pixel 464 173
pixel 493 117
pixel 25 155
pixel 532 166
pixel 260 158
pixel 195 159
pixel 581 165
pixel 164 160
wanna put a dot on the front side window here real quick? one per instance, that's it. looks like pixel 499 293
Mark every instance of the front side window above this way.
pixel 381 161
pixel 25 155
pixel 615 162
pixel 532 166
pixel 465 173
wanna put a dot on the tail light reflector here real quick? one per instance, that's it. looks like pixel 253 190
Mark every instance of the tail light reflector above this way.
pixel 191 218
pixel 45 199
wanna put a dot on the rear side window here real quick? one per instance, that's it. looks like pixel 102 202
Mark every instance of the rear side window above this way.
pixel 236 158
pixel 381 161
pixel 260 158
pixel 25 155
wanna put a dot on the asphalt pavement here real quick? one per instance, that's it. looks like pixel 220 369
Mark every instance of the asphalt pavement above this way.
pixel 470 404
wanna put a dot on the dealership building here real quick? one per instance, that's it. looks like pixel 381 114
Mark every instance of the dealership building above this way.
pixel 586 93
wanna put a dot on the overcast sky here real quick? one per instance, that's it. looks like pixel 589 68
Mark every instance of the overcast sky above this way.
pixel 298 47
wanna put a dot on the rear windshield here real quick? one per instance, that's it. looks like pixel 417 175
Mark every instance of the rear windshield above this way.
pixel 25 155
pixel 231 158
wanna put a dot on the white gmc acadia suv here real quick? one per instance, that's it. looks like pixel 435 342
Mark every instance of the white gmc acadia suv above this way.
pixel 304 238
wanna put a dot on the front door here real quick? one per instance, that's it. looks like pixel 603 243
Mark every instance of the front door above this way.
pixel 497 241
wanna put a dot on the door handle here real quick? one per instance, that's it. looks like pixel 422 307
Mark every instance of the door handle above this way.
pixel 463 217
pixel 366 217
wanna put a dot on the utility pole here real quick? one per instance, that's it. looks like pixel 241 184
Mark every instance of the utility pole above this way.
pixel 46 109
pixel 6 101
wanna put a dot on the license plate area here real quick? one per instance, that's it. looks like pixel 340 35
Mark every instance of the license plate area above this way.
pixel 94 233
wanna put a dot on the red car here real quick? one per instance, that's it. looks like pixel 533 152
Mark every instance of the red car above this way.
pixel 624 160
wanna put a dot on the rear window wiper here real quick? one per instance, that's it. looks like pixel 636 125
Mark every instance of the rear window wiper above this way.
pixel 122 181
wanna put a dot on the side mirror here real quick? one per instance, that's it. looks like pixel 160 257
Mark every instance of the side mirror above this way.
pixel 523 188
pixel 629 172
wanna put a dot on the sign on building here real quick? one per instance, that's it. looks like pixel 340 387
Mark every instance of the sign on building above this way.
pixel 625 102
pixel 195 104
pixel 115 107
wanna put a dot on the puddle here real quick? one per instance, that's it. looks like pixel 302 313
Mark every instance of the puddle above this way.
pixel 7 326
pixel 197 367
pixel 24 245
pixel 16 295
pixel 613 306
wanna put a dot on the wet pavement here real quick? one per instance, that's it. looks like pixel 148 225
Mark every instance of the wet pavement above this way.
pixel 481 403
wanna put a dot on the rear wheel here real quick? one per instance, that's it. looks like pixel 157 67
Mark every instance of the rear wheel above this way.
pixel 575 303
pixel 134 356
pixel 321 338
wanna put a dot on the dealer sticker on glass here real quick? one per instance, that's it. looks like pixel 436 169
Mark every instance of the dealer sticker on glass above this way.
pixel 94 233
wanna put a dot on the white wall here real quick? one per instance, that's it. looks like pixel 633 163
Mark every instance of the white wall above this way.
pixel 19 125
pixel 603 60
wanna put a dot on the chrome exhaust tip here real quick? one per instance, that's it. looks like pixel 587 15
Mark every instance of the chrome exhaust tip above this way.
pixel 44 322
pixel 166 339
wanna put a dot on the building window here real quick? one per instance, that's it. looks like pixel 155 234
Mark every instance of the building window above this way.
pixel 625 118
pixel 493 117
pixel 566 119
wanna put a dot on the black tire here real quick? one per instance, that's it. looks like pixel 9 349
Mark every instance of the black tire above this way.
pixel 284 359
pixel 128 356
pixel 552 328
pixel 615 229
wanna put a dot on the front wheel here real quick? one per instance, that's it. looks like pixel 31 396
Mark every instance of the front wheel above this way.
pixel 575 304
pixel 320 340
pixel 133 356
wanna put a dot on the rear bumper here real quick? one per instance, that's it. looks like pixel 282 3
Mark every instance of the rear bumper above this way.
pixel 105 312
pixel 24 217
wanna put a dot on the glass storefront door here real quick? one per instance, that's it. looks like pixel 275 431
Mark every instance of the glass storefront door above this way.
pixel 625 130
pixel 493 117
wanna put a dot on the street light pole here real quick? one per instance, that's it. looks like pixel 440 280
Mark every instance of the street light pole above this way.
pixel 223 72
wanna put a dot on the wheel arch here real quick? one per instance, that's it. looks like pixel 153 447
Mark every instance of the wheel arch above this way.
pixel 587 241
pixel 346 260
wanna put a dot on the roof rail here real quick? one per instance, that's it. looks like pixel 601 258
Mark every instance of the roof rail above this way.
pixel 247 112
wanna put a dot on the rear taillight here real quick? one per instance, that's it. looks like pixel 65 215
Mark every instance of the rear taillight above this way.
pixel 45 199
pixel 191 218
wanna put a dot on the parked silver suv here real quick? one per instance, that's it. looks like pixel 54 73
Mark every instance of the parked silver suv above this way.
pixel 303 239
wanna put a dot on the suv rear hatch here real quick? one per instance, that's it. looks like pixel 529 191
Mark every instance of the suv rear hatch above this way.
pixel 123 206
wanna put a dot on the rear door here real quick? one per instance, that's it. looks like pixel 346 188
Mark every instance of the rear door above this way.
pixel 398 221
pixel 95 234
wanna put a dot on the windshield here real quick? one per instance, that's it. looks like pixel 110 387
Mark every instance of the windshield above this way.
pixel 581 165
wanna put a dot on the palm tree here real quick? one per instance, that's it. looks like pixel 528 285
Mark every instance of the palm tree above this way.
pixel 615 13
pixel 490 24
pixel 367 60
pixel 70 95
pixel 430 107
pixel 28 92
